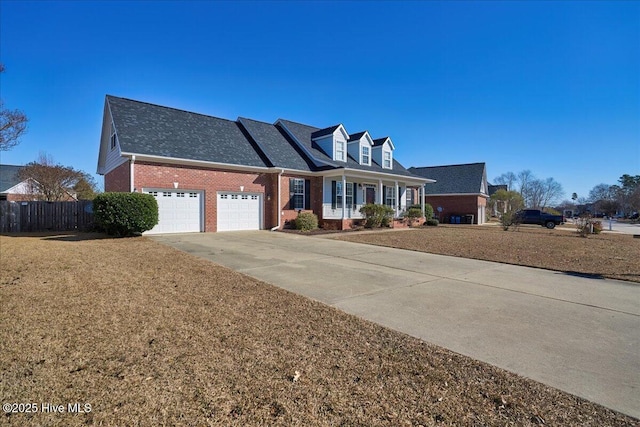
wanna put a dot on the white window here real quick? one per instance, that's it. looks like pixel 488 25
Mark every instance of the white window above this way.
pixel 179 194
pixel 234 196
pixel 338 194
pixel 166 194
pixel 222 196
pixel 349 198
pixel 386 159
pixel 340 150
pixel 297 196
pixel 153 193
pixel 196 195
pixel 245 197
pixel 390 197
pixel 254 197
pixel 366 158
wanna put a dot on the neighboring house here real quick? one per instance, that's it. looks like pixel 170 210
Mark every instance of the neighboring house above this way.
pixel 11 187
pixel 212 174
pixel 460 191
pixel 492 190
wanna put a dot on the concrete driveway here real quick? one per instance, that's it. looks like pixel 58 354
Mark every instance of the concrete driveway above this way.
pixel 577 334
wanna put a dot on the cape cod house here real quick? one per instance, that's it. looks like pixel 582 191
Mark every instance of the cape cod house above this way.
pixel 213 174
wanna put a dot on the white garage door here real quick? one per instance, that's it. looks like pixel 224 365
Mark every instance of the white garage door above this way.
pixel 239 211
pixel 178 211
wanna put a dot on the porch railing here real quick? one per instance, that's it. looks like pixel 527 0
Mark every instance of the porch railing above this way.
pixel 351 212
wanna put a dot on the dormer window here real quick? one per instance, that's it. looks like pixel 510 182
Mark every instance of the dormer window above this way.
pixel 340 151
pixel 114 141
pixel 386 159
pixel 366 157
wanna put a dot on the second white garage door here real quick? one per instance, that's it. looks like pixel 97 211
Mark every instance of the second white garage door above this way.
pixel 239 211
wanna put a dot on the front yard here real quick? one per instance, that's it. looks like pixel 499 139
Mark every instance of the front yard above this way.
pixel 614 256
pixel 147 335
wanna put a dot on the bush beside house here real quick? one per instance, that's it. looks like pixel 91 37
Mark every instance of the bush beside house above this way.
pixel 125 214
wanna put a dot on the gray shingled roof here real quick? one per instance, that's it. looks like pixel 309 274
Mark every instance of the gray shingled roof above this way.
pixel 281 152
pixel 453 179
pixel 154 130
pixel 303 134
pixel 379 141
pixel 356 136
pixel 326 131
pixel 9 177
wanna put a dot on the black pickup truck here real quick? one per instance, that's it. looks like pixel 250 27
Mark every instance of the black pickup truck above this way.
pixel 535 216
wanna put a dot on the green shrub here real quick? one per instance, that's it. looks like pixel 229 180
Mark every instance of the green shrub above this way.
pixel 125 214
pixel 432 222
pixel 413 214
pixel 376 215
pixel 428 209
pixel 306 221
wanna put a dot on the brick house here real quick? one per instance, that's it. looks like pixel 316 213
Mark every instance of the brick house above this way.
pixel 12 188
pixel 460 192
pixel 212 174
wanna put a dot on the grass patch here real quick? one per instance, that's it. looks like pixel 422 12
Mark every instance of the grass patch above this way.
pixel 607 255
pixel 149 335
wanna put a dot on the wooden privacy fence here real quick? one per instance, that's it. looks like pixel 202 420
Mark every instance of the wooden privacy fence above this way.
pixel 45 216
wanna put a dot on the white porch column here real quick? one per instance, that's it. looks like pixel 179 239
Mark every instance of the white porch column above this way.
pixel 421 195
pixel 397 201
pixel 379 196
pixel 344 196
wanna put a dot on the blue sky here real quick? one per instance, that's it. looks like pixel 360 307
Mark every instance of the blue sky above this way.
pixel 553 87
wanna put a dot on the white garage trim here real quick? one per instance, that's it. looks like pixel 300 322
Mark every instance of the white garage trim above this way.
pixel 179 211
pixel 239 211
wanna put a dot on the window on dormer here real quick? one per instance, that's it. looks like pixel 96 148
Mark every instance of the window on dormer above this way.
pixel 366 158
pixel 386 159
pixel 340 151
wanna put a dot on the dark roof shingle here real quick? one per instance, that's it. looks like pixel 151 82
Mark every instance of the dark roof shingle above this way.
pixel 9 177
pixel 453 179
pixel 162 131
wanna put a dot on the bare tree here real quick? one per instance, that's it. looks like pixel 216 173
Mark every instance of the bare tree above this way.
pixel 13 124
pixel 537 193
pixel 49 181
pixel 509 179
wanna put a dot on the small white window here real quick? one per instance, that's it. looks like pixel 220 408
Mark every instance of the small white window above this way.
pixel 390 199
pixel 366 158
pixel 245 197
pixel 196 195
pixel 166 194
pixel 222 196
pixel 387 159
pixel 297 195
pixel 179 194
pixel 234 196
pixel 254 197
pixel 340 150
pixel 153 193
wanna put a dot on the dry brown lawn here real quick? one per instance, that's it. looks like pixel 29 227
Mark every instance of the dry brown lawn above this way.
pixel 149 336
pixel 614 256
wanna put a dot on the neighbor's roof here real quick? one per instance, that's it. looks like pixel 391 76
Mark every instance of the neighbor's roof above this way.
pixel 148 129
pixel 9 177
pixel 453 179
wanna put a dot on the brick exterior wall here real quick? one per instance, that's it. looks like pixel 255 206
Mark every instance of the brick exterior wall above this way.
pixel 210 182
pixel 456 205
pixel 12 197
pixel 286 212
pixel 118 179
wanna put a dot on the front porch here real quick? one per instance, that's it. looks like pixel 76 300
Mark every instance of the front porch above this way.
pixel 343 197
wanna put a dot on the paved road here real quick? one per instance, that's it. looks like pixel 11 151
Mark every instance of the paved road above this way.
pixel 577 334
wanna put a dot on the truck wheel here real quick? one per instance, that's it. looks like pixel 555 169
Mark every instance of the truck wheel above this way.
pixel 550 225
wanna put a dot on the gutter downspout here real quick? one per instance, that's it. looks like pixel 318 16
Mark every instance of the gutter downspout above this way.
pixel 279 201
pixel 131 171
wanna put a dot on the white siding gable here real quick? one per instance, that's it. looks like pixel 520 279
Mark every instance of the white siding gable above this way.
pixel 334 145
pixel 355 149
pixel 383 154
